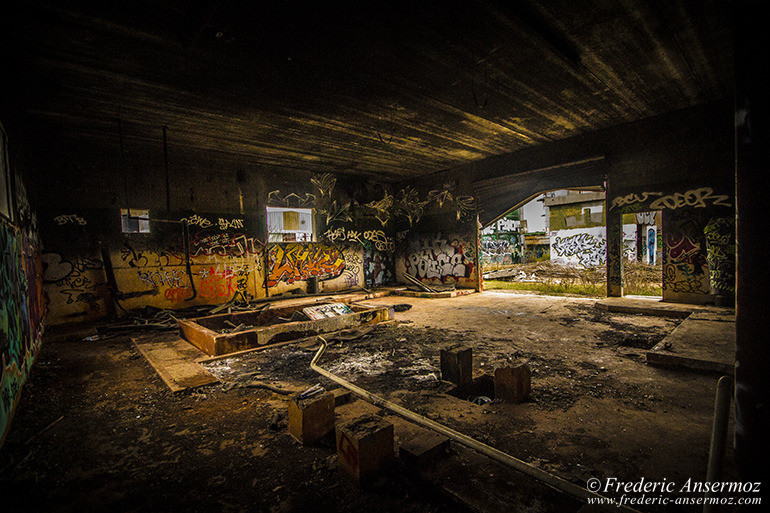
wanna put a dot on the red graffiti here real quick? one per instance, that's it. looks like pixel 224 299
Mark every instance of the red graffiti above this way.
pixel 217 286
pixel 347 451
pixel 177 293
pixel 681 247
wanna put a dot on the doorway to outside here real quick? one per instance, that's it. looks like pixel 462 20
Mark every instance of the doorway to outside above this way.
pixel 556 244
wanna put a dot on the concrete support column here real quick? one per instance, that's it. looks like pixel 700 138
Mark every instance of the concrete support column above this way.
pixel 752 131
pixel 479 260
pixel 614 252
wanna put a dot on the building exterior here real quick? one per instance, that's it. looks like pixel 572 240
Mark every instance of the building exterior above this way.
pixel 577 221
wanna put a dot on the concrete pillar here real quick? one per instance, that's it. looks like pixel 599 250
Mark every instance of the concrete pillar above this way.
pixel 752 118
pixel 365 447
pixel 513 384
pixel 423 450
pixel 457 364
pixel 479 259
pixel 311 419
pixel 614 252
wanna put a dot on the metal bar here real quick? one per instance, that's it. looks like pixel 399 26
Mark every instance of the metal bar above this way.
pixel 718 435
pixel 506 459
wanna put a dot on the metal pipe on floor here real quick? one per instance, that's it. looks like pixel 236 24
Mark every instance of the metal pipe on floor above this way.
pixel 718 435
pixel 506 459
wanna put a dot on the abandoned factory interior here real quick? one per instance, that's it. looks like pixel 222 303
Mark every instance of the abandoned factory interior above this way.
pixel 462 256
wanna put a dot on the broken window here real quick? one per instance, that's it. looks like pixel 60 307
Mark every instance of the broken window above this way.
pixel 290 224
pixel 135 221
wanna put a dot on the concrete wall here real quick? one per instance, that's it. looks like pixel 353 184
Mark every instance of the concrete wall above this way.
pixel 22 303
pixel 503 242
pixel 82 183
pixel 587 247
pixel 437 236
pixel 676 162
pixel 440 258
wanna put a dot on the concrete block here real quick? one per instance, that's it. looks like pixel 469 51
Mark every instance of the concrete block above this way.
pixel 513 384
pixel 365 447
pixel 312 418
pixel 424 449
pixel 341 396
pixel 457 365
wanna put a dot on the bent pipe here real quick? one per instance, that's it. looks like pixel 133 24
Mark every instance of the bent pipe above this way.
pixel 506 459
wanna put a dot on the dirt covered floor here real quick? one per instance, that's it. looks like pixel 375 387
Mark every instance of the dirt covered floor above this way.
pixel 97 429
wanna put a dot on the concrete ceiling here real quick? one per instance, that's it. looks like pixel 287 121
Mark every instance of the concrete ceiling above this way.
pixel 387 90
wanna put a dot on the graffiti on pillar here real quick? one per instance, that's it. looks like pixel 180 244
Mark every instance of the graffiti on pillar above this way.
pixel 701 197
pixel 301 261
pixel 646 218
pixel 614 255
pixel 380 209
pixel 720 254
pixel 437 257
pixel 651 240
pixel 378 267
pixel 684 268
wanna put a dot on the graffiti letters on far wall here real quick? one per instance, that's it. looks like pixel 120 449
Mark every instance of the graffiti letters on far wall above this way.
pixel 301 261
pixel 439 258
pixel 695 198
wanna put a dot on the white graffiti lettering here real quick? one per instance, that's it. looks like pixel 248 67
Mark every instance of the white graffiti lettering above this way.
pixel 437 258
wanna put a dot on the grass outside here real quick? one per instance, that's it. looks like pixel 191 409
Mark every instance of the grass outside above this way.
pixel 547 278
pixel 555 289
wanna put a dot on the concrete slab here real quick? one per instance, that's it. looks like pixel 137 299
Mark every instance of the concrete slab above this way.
pixel 434 295
pixel 262 326
pixel 174 361
pixel 653 307
pixel 704 341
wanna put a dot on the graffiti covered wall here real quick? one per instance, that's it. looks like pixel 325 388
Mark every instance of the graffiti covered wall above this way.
pixel 222 259
pixel 439 258
pixel 502 242
pixel 685 268
pixel 22 304
pixel 587 247
pixel 584 247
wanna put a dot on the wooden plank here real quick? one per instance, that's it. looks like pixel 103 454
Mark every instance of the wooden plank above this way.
pixel 174 361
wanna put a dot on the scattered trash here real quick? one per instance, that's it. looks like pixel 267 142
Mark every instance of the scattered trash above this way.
pixel 480 400
pixel 314 390
pixel 92 338
pixel 235 329
pixel 329 310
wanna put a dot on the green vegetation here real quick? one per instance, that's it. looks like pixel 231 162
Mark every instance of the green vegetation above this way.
pixel 547 278
pixel 555 289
